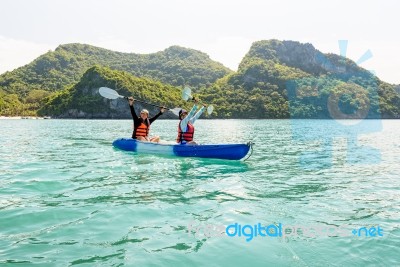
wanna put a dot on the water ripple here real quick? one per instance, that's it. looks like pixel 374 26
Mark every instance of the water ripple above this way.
pixel 68 198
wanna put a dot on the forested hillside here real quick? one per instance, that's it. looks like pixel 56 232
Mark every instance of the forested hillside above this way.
pixel 82 100
pixel 287 79
pixel 64 67
pixel 275 79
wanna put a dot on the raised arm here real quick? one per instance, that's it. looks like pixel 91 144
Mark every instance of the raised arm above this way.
pixel 133 113
pixel 185 121
pixel 197 115
pixel 156 116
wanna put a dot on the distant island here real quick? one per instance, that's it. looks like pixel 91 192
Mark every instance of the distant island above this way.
pixel 275 79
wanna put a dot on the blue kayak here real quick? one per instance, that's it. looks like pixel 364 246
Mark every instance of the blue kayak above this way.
pixel 216 151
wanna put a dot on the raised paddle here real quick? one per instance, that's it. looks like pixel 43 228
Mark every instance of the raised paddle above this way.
pixel 187 95
pixel 112 94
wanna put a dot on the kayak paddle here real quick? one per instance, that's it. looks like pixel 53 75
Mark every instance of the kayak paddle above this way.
pixel 112 94
pixel 187 95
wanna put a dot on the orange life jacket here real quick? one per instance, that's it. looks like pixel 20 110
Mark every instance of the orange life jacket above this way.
pixel 142 130
pixel 185 136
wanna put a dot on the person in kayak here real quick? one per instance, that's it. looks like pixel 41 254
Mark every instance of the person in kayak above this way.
pixel 185 126
pixel 141 124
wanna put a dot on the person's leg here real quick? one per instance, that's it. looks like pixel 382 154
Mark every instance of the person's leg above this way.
pixel 191 143
pixel 155 139
pixel 141 138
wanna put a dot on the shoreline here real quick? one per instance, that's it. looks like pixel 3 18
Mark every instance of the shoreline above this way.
pixel 23 118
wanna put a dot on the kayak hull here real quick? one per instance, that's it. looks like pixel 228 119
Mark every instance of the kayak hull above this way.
pixel 216 151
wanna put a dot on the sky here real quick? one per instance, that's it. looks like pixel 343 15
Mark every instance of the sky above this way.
pixel 223 29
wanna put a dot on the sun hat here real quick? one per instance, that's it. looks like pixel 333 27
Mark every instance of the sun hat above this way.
pixel 182 111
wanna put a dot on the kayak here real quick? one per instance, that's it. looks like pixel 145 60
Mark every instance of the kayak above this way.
pixel 216 151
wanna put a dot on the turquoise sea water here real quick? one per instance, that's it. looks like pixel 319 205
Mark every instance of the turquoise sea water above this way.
pixel 68 198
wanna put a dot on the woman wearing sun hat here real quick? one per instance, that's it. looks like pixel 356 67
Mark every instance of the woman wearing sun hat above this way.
pixel 185 126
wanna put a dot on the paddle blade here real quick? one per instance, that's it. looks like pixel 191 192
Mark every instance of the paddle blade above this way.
pixel 175 111
pixel 109 93
pixel 210 109
pixel 186 94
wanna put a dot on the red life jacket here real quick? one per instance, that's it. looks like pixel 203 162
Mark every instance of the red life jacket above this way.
pixel 185 136
pixel 142 130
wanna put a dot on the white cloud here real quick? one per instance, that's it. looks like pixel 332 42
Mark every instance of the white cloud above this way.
pixel 16 53
pixel 228 50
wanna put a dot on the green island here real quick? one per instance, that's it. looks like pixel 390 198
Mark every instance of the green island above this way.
pixel 275 80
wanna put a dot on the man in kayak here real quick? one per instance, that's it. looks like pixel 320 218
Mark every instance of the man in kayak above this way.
pixel 185 126
pixel 141 124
